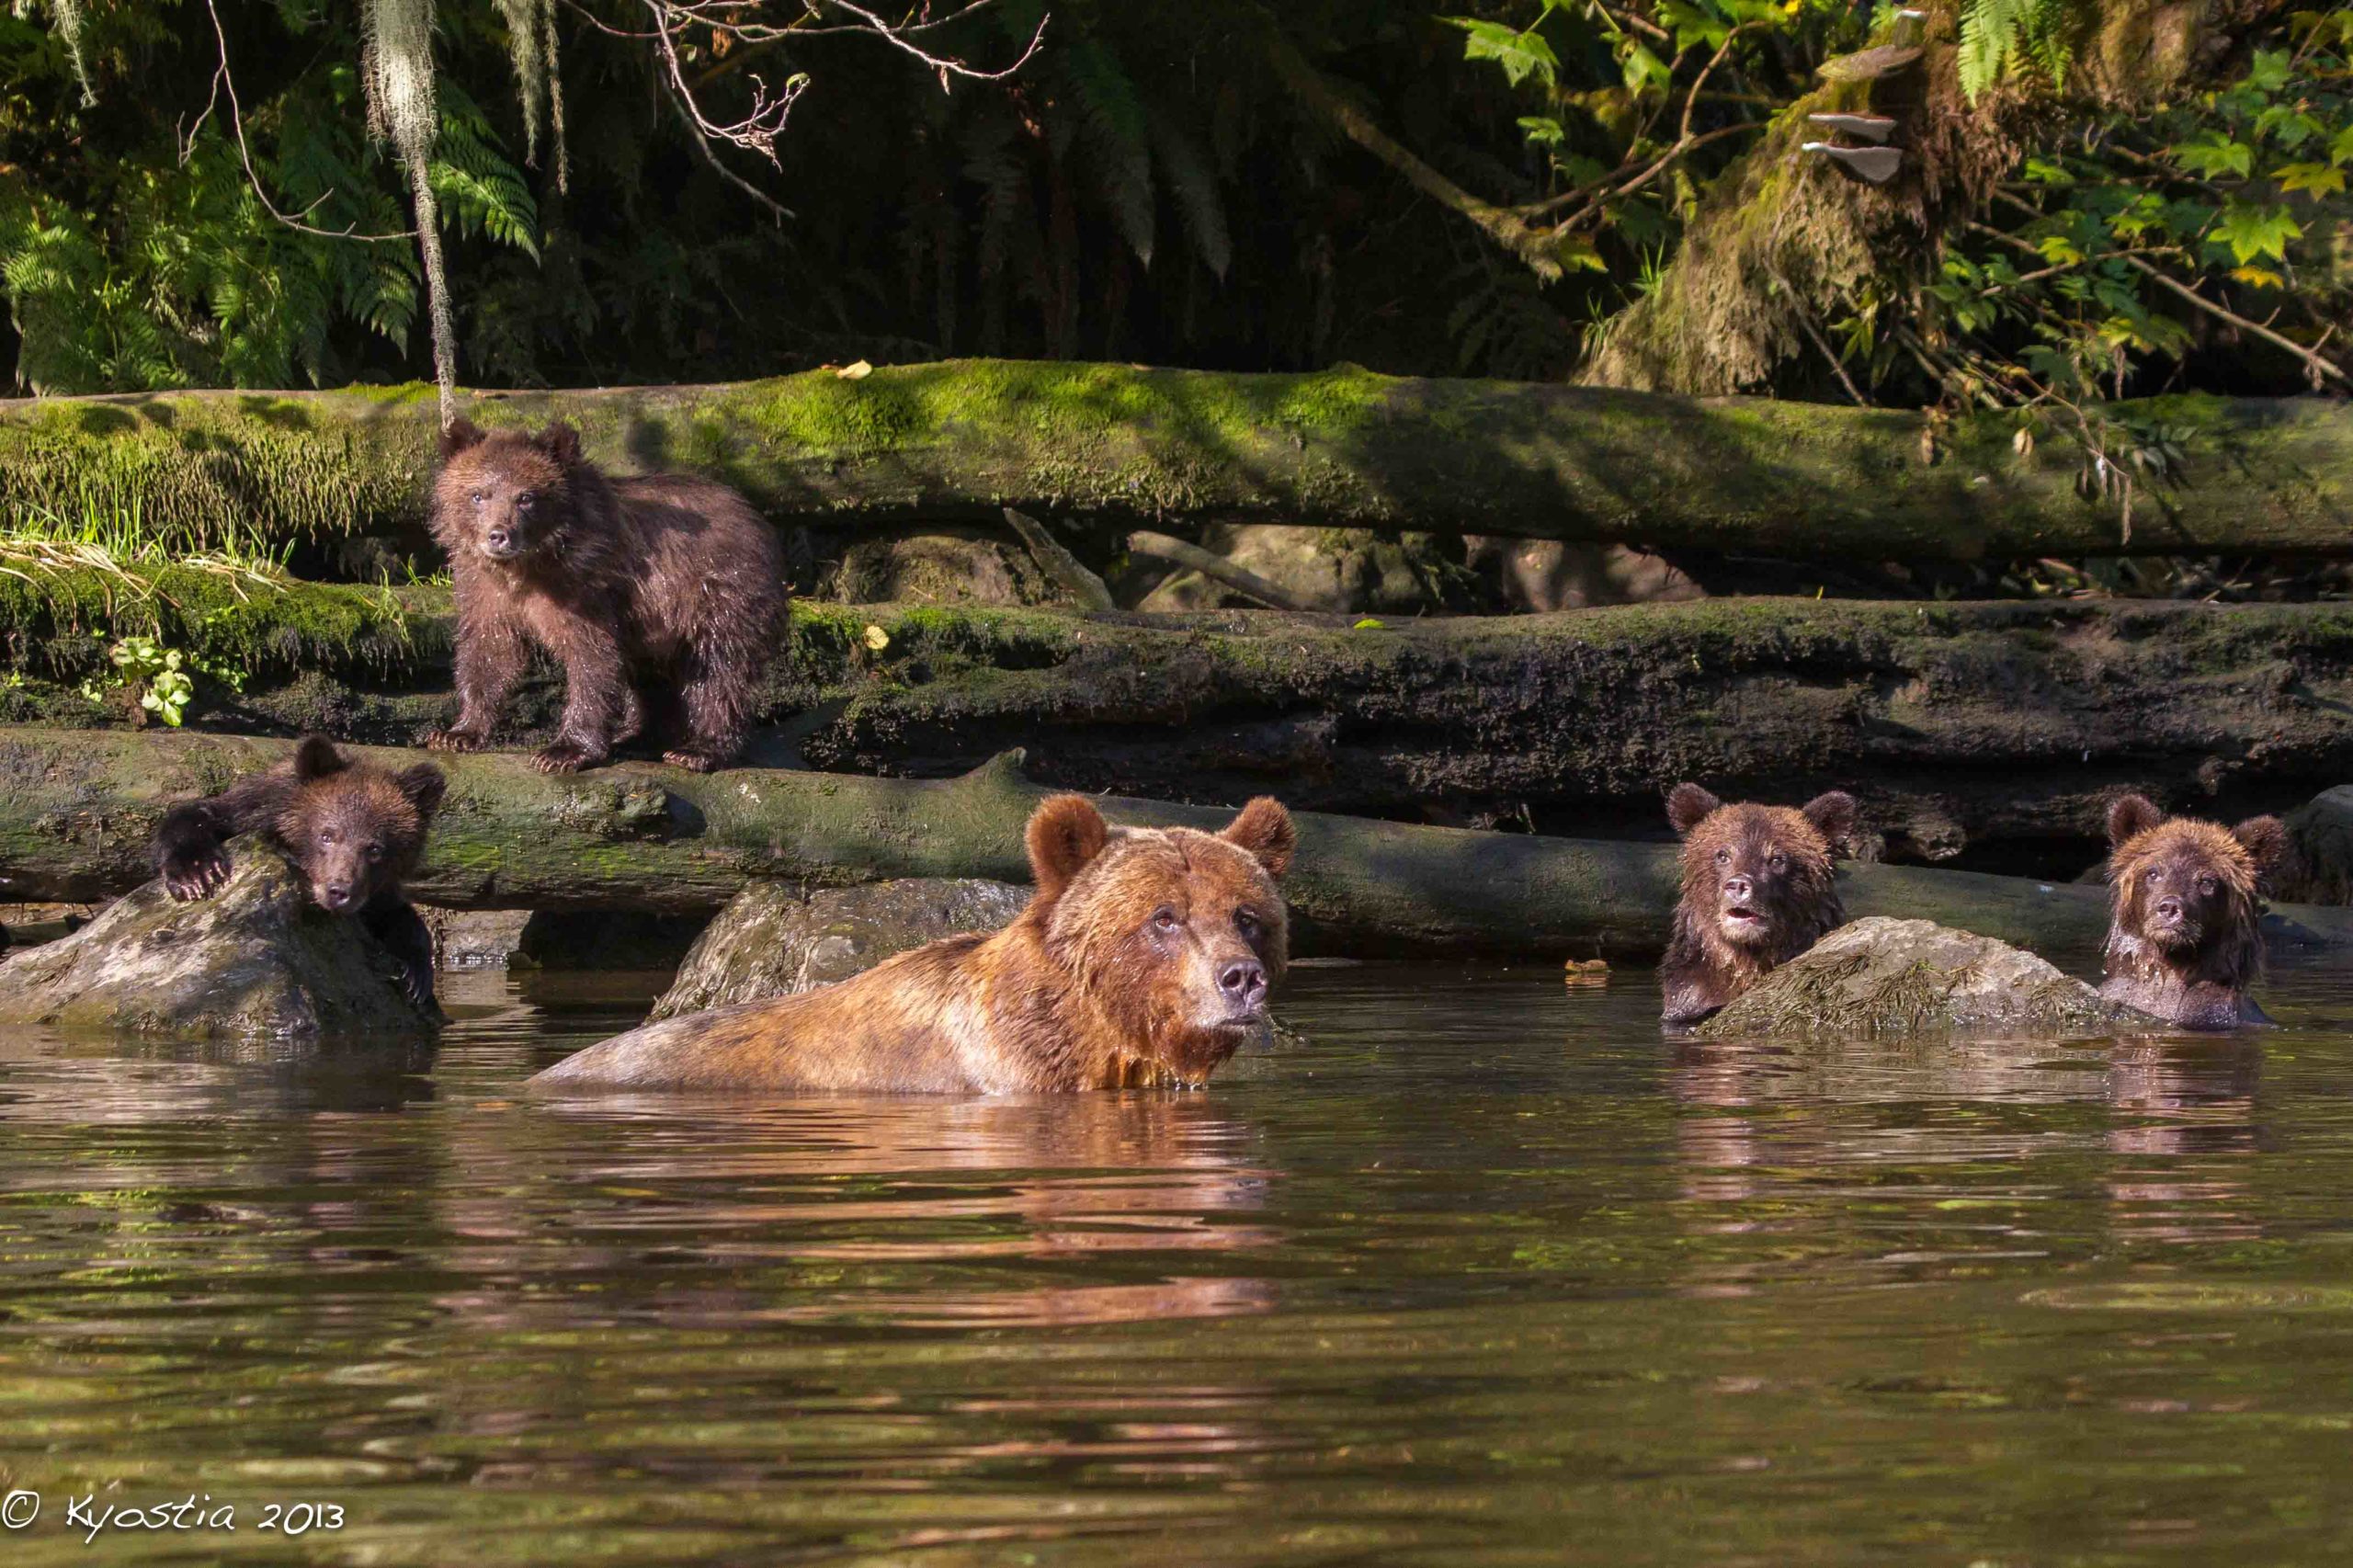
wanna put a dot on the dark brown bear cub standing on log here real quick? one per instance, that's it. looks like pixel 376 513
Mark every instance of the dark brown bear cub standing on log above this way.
pixel 623 581
pixel 356 831
pixel 2182 941
pixel 1758 890
pixel 1143 959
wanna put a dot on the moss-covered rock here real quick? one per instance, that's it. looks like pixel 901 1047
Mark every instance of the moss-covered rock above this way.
pixel 1881 978
pixel 256 961
pixel 774 940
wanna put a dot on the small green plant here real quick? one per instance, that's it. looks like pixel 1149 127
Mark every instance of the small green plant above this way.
pixel 140 661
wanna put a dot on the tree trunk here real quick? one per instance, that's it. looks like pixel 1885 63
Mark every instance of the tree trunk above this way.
pixel 1344 447
pixel 75 810
pixel 1989 732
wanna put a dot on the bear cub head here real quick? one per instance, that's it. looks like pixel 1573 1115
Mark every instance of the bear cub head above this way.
pixel 507 498
pixel 357 831
pixel 1174 936
pixel 2182 891
pixel 1757 882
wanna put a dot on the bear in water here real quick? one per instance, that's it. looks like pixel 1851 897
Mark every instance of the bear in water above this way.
pixel 623 581
pixel 2182 941
pixel 1143 958
pixel 356 831
pixel 1758 890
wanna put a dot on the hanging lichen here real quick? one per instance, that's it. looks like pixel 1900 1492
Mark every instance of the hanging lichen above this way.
pixel 396 62
pixel 530 46
pixel 68 18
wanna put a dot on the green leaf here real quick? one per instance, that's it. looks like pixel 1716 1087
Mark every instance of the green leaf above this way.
pixel 1521 55
pixel 2251 231
pixel 1644 69
pixel 2321 179
pixel 1543 129
pixel 2214 153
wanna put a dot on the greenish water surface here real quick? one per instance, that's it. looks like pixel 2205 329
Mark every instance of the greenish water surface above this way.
pixel 1484 1272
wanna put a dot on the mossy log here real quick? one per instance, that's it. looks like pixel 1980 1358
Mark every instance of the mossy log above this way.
pixel 77 807
pixel 1120 444
pixel 1988 732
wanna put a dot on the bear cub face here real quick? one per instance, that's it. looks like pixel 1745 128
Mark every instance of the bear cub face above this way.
pixel 1176 936
pixel 2182 893
pixel 504 498
pixel 357 832
pixel 1755 878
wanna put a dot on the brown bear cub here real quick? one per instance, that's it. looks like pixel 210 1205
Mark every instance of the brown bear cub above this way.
pixel 665 581
pixel 1758 890
pixel 356 830
pixel 2182 941
pixel 1142 959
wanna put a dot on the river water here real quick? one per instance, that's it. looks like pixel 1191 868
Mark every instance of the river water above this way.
pixel 1483 1271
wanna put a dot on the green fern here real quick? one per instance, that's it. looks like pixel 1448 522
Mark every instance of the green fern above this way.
pixel 2001 36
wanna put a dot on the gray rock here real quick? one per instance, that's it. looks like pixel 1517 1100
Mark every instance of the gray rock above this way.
pixel 257 960
pixel 1883 978
pixel 1345 570
pixel 2318 866
pixel 773 939
pixel 474 939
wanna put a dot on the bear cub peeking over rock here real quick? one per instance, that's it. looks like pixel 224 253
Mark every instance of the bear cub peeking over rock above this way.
pixel 2182 940
pixel 356 831
pixel 1143 959
pixel 661 587
pixel 1758 890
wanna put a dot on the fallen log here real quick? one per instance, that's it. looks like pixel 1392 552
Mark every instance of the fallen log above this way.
pixel 77 807
pixel 1342 448
pixel 1988 734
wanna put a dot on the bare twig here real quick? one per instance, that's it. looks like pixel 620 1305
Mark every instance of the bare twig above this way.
pixel 1059 563
pixel 1241 579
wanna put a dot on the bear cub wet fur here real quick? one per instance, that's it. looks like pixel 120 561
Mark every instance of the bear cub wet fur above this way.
pixel 663 588
pixel 356 830
pixel 1143 959
pixel 2182 939
pixel 1758 889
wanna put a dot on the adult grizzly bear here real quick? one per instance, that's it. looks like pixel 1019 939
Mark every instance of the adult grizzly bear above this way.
pixel 1143 958
pixel 356 830
pixel 625 582
pixel 2182 941
pixel 1758 890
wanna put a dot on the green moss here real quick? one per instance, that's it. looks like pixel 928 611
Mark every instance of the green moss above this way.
pixel 61 622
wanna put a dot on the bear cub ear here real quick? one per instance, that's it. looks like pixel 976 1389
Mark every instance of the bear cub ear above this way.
pixel 560 441
pixel 424 785
pixel 458 436
pixel 2129 816
pixel 316 758
pixel 2264 838
pixel 1687 806
pixel 1265 829
pixel 1832 815
pixel 1065 832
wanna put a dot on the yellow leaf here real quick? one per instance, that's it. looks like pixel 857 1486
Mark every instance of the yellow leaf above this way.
pixel 877 639
pixel 1367 624
pixel 856 370
pixel 2261 276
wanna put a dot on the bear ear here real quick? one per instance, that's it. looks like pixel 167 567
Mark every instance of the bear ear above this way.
pixel 1687 806
pixel 424 785
pixel 2129 816
pixel 560 441
pixel 1065 832
pixel 1833 814
pixel 316 758
pixel 2264 838
pixel 458 436
pixel 1264 828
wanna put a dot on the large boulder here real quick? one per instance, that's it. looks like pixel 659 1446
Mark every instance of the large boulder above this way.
pixel 773 939
pixel 1883 977
pixel 257 960
pixel 2318 866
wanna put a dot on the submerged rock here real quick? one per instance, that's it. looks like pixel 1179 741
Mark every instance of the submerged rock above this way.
pixel 257 960
pixel 1885 977
pixel 774 941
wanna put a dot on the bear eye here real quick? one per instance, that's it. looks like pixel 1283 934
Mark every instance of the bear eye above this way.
pixel 1779 862
pixel 480 496
pixel 523 502
pixel 1245 922
pixel 2206 886
pixel 1164 919
pixel 2155 875
pixel 375 852
pixel 1723 857
pixel 330 836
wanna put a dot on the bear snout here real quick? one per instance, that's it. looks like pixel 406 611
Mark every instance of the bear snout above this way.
pixel 1243 984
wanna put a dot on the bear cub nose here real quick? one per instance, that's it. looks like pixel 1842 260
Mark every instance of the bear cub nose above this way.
pixel 1738 887
pixel 1244 982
